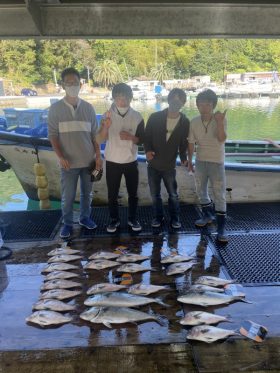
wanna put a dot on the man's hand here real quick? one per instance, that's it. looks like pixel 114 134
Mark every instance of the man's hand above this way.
pixel 106 121
pixel 98 163
pixel 150 155
pixel 64 163
pixel 124 135
pixel 219 117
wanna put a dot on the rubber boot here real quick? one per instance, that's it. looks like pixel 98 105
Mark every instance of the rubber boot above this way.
pixel 221 223
pixel 207 216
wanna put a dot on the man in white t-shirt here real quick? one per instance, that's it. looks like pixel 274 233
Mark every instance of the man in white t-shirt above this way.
pixel 208 132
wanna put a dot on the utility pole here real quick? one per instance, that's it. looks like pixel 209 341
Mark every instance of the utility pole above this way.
pixel 54 77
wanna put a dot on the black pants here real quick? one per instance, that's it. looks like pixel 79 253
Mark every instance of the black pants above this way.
pixel 114 172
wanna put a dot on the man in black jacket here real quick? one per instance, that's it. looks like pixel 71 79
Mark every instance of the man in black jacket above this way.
pixel 165 136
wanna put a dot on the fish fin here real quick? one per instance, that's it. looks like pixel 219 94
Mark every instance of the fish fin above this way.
pixel 162 303
pixel 153 269
pixel 244 300
pixel 106 323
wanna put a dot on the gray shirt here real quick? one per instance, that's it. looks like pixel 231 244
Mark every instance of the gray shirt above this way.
pixel 75 130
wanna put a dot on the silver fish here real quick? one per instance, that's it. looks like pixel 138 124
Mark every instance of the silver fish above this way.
pixel 53 305
pixel 176 259
pixel 60 284
pixel 64 258
pixel 176 268
pixel 104 255
pixel 60 275
pixel 130 258
pixel 213 281
pixel 59 267
pixel 63 251
pixel 142 289
pixel 209 334
pixel 120 300
pixel 60 294
pixel 101 264
pixel 205 288
pixel 200 317
pixel 104 288
pixel 45 317
pixel 133 268
pixel 208 298
pixel 115 315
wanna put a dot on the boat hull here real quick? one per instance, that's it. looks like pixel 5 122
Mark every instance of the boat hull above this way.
pixel 245 182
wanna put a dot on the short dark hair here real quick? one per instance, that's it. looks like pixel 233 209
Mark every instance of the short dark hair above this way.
pixel 70 71
pixel 207 96
pixel 177 92
pixel 122 89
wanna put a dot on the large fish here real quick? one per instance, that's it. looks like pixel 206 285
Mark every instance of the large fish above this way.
pixel 200 317
pixel 120 300
pixel 63 251
pixel 177 268
pixel 60 275
pixel 64 258
pixel 213 281
pixel 59 267
pixel 176 259
pixel 198 287
pixel 209 334
pixel 53 305
pixel 115 315
pixel 60 294
pixel 141 289
pixel 60 284
pixel 130 258
pixel 101 264
pixel 104 288
pixel 104 255
pixel 45 318
pixel 208 298
pixel 133 268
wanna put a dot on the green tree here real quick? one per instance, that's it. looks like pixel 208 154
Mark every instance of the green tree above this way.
pixel 107 73
pixel 161 72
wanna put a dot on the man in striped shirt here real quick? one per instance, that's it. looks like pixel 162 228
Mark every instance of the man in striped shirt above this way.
pixel 72 128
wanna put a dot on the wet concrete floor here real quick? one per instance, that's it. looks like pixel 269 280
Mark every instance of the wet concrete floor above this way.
pixel 84 347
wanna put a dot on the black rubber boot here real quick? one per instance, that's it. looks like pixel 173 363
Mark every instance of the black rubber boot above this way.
pixel 221 223
pixel 207 216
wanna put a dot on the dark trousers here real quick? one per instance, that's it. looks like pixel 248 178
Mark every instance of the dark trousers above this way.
pixel 114 172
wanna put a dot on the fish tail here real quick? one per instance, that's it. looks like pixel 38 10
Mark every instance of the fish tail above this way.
pixel 162 303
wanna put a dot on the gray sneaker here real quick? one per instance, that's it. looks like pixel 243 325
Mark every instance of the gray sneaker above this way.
pixel 113 226
pixel 175 224
pixel 134 225
pixel 156 222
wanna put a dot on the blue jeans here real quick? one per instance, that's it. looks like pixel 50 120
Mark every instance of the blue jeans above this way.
pixel 169 180
pixel 215 172
pixel 69 181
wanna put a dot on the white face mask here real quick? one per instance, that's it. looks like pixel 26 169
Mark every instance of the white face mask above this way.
pixel 122 110
pixel 72 91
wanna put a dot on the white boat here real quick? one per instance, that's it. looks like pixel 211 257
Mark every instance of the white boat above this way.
pixel 247 180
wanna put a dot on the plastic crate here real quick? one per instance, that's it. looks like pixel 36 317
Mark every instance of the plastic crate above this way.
pixel 25 118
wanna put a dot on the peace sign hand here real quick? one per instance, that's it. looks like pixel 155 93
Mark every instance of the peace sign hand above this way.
pixel 219 117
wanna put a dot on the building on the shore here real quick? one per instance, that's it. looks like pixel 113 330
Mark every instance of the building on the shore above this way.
pixel 257 76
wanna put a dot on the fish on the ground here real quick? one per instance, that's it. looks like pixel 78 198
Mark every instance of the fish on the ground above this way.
pixel 198 287
pixel 208 298
pixel 60 284
pixel 177 268
pixel 101 264
pixel 118 299
pixel 200 317
pixel 60 294
pixel 104 288
pixel 176 259
pixel 115 315
pixel 141 289
pixel 64 258
pixel 209 334
pixel 104 255
pixel 60 275
pixel 133 268
pixel 63 251
pixel 59 267
pixel 53 305
pixel 213 281
pixel 46 317
pixel 130 258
